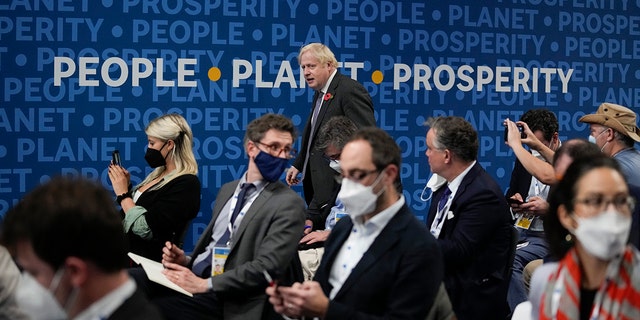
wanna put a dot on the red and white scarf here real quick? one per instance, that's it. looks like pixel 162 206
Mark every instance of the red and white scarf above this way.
pixel 617 298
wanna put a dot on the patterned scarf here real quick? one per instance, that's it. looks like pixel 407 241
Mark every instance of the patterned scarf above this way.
pixel 617 298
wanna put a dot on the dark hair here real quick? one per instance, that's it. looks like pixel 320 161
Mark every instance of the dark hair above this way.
pixel 543 120
pixel 564 193
pixel 336 132
pixel 455 134
pixel 384 150
pixel 258 127
pixel 576 149
pixel 69 217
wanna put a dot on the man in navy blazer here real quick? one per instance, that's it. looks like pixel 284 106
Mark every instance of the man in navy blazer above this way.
pixel 380 261
pixel 470 218
pixel 335 95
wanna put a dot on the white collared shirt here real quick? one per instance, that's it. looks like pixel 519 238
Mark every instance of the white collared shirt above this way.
pixel 439 221
pixel 108 304
pixel 223 220
pixel 360 239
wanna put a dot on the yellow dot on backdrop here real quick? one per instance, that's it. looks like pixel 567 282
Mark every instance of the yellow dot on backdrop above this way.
pixel 377 77
pixel 214 74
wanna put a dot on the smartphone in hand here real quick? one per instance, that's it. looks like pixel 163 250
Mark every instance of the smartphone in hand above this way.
pixel 115 158
pixel 514 201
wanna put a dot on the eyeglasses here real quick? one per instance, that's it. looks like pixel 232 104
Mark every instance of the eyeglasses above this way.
pixel 275 149
pixel 355 175
pixel 330 158
pixel 600 203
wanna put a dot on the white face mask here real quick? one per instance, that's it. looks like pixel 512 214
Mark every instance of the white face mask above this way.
pixel 435 182
pixel 37 301
pixel 357 198
pixel 335 165
pixel 604 235
pixel 592 139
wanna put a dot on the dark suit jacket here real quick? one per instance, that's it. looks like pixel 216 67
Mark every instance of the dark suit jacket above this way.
pixel 475 244
pixel 136 307
pixel 266 239
pixel 170 209
pixel 520 181
pixel 350 99
pixel 397 277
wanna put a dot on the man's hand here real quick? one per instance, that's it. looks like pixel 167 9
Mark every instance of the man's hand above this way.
pixel 184 278
pixel 316 236
pixel 516 206
pixel 172 254
pixel 308 226
pixel 301 299
pixel 292 176
pixel 535 205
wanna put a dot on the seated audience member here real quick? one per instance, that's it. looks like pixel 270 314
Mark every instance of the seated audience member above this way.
pixel 571 150
pixel 160 208
pixel 9 282
pixel 379 261
pixel 470 219
pixel 68 235
pixel 332 137
pixel 255 227
pixel 529 194
pixel 597 275
pixel 614 131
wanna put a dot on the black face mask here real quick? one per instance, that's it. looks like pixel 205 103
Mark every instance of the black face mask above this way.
pixel 154 157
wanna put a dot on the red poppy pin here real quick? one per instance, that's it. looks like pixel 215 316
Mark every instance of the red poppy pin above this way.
pixel 328 96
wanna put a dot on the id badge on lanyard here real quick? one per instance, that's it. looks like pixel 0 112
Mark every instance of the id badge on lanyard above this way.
pixel 219 258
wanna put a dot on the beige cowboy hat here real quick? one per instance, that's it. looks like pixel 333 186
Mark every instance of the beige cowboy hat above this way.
pixel 616 117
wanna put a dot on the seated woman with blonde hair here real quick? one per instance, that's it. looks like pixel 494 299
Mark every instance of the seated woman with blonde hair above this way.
pixel 160 208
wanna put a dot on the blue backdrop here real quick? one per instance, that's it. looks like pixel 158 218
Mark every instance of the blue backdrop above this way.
pixel 82 78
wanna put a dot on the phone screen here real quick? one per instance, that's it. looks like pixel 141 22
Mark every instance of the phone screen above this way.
pixel 115 158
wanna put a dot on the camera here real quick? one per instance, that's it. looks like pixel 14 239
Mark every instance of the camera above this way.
pixel 522 134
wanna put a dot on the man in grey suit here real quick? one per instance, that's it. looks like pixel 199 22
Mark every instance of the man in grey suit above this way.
pixel 261 235
pixel 380 261
pixel 335 95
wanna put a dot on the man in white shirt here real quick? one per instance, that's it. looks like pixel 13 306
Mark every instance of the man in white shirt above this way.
pixel 380 261
pixel 68 235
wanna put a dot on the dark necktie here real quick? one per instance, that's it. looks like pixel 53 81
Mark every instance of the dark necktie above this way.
pixel 203 267
pixel 443 200
pixel 242 196
pixel 314 119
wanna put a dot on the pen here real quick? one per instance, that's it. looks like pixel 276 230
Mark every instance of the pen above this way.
pixel 268 278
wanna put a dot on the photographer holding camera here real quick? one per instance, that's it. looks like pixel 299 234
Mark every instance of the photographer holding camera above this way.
pixel 532 174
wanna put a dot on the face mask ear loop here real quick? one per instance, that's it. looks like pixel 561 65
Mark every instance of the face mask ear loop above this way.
pixel 422 194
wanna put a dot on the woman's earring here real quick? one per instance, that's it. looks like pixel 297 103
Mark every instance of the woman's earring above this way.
pixel 568 237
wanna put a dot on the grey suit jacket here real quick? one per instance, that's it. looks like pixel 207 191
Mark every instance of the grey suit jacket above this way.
pixel 266 239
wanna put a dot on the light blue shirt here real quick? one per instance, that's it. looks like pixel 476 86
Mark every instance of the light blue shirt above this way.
pixel 629 161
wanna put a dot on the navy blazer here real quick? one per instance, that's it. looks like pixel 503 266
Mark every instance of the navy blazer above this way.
pixel 136 307
pixel 520 181
pixel 348 98
pixel 475 244
pixel 397 277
